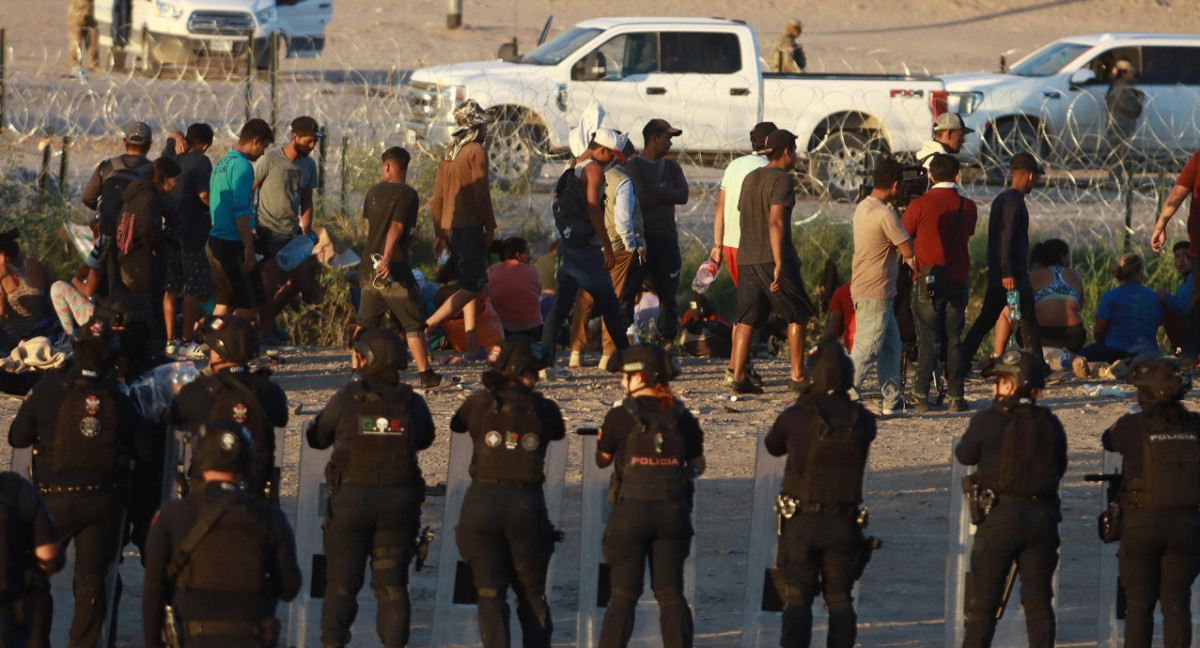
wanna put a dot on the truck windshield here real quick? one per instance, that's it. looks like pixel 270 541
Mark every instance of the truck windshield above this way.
pixel 553 51
pixel 1049 59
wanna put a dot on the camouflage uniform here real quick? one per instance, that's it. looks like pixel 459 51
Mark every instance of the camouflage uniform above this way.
pixel 782 56
pixel 81 32
pixel 1124 102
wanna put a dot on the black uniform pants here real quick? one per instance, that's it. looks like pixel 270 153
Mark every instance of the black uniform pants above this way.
pixel 93 521
pixel 504 534
pixel 994 301
pixel 1025 533
pixel 819 552
pixel 1158 558
pixel 660 534
pixel 381 522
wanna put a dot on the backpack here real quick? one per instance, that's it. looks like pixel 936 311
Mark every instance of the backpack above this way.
pixel 87 440
pixel 836 460
pixel 380 450
pixel 111 204
pixel 570 210
pixel 237 401
pixel 1171 463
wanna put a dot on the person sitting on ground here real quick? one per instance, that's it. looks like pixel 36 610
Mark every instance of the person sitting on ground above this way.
pixel 1175 305
pixel 839 318
pixel 74 301
pixel 1058 293
pixel 23 286
pixel 1127 319
pixel 488 329
pixel 516 287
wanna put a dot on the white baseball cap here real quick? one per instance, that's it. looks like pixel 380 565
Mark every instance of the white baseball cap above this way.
pixel 951 121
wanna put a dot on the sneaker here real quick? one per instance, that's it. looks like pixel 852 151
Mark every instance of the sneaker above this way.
pixel 576 360
pixel 430 379
pixel 745 387
pixel 753 376
pixel 172 346
pixel 553 373
pixel 1079 367
pixel 728 375
pixel 190 349
pixel 894 410
pixel 604 362
pixel 959 405
pixel 921 403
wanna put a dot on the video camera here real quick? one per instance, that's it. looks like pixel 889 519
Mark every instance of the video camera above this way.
pixel 913 186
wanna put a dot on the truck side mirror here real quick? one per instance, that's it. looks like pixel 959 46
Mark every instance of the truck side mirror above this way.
pixel 1080 78
pixel 508 52
pixel 589 68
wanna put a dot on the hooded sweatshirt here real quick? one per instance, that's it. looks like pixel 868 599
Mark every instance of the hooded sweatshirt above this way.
pixel 145 205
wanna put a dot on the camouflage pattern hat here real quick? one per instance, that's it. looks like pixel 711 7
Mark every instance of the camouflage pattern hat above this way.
pixel 468 114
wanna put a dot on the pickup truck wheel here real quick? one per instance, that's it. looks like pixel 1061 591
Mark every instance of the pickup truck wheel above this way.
pixel 514 151
pixel 841 164
pixel 1006 140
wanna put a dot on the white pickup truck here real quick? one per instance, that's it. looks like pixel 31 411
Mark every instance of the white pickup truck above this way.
pixel 704 75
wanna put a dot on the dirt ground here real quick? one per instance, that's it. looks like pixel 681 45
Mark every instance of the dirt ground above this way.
pixel 902 593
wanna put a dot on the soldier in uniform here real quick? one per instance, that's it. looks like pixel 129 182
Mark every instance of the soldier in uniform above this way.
pixel 657 448
pixel 227 389
pixel 85 434
pixel 826 437
pixel 1160 524
pixel 1021 451
pixel 1124 103
pixel 376 426
pixel 787 56
pixel 84 41
pixel 29 550
pixel 221 557
pixel 504 532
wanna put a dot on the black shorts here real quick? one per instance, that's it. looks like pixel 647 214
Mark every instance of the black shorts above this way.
pixel 468 250
pixel 756 302
pixel 232 286
pixel 188 272
pixel 268 243
pixel 404 304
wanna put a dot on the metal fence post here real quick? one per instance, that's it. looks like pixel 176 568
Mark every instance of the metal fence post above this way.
pixel 43 177
pixel 3 82
pixel 62 166
pixel 1128 209
pixel 250 74
pixel 274 78
pixel 345 176
pixel 453 14
pixel 321 164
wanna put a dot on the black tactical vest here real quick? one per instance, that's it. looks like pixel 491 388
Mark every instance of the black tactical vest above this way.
pixel 374 445
pixel 836 460
pixel 512 449
pixel 86 443
pixel 1027 456
pixel 238 401
pixel 1170 463
pixel 231 556
pixel 652 465
pixel 15 542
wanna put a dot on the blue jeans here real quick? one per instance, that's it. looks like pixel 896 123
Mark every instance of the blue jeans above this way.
pixel 584 268
pixel 939 325
pixel 877 343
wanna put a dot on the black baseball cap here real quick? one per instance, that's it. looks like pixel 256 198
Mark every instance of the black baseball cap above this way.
pixel 305 126
pixel 655 126
pixel 232 337
pixel 759 134
pixel 1025 162
pixel 780 140
pixel 138 133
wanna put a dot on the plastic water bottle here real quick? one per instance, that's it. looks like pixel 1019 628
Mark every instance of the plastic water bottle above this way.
pixel 1014 306
pixel 634 333
pixel 295 252
pixel 705 275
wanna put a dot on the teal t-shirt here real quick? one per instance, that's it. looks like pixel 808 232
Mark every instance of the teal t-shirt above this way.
pixel 231 195
pixel 1133 312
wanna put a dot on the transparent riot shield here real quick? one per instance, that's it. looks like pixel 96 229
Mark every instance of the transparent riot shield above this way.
pixel 594 586
pixel 1111 598
pixel 1010 631
pixel 61 587
pixel 304 612
pixel 762 608
pixel 455 616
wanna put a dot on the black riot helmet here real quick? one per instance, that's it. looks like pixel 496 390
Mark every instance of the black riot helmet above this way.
pixel 95 345
pixel 1158 382
pixel 224 446
pixel 828 368
pixel 384 354
pixel 652 360
pixel 516 355
pixel 232 337
pixel 1026 371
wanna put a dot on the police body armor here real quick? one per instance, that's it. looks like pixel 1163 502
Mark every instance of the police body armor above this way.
pixel 238 401
pixel 86 441
pixel 375 445
pixel 653 466
pixel 230 557
pixel 513 451
pixel 1170 465
pixel 1027 464
pixel 836 462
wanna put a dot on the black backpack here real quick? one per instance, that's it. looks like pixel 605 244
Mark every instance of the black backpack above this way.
pixel 111 203
pixel 570 210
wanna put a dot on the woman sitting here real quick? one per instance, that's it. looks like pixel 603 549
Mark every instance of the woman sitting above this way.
pixel 1128 316
pixel 1057 295
pixel 516 288
pixel 75 301
pixel 23 286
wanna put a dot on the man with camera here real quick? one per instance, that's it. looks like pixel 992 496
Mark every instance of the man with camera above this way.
pixel 949 133
pixel 940 223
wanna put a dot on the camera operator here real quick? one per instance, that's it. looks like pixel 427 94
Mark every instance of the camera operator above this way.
pixel 949 133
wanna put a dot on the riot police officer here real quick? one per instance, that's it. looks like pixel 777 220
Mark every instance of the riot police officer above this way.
pixel 1021 451
pixel 376 426
pixel 1160 493
pixel 658 449
pixel 228 389
pixel 29 550
pixel 85 434
pixel 221 557
pixel 821 548
pixel 504 532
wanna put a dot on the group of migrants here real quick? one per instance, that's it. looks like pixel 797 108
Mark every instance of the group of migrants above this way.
pixel 221 557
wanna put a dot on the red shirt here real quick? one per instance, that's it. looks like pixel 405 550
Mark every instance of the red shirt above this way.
pixel 842 303
pixel 517 290
pixel 930 222
pixel 1190 178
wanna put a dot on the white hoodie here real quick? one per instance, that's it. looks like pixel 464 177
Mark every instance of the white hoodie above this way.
pixel 931 148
